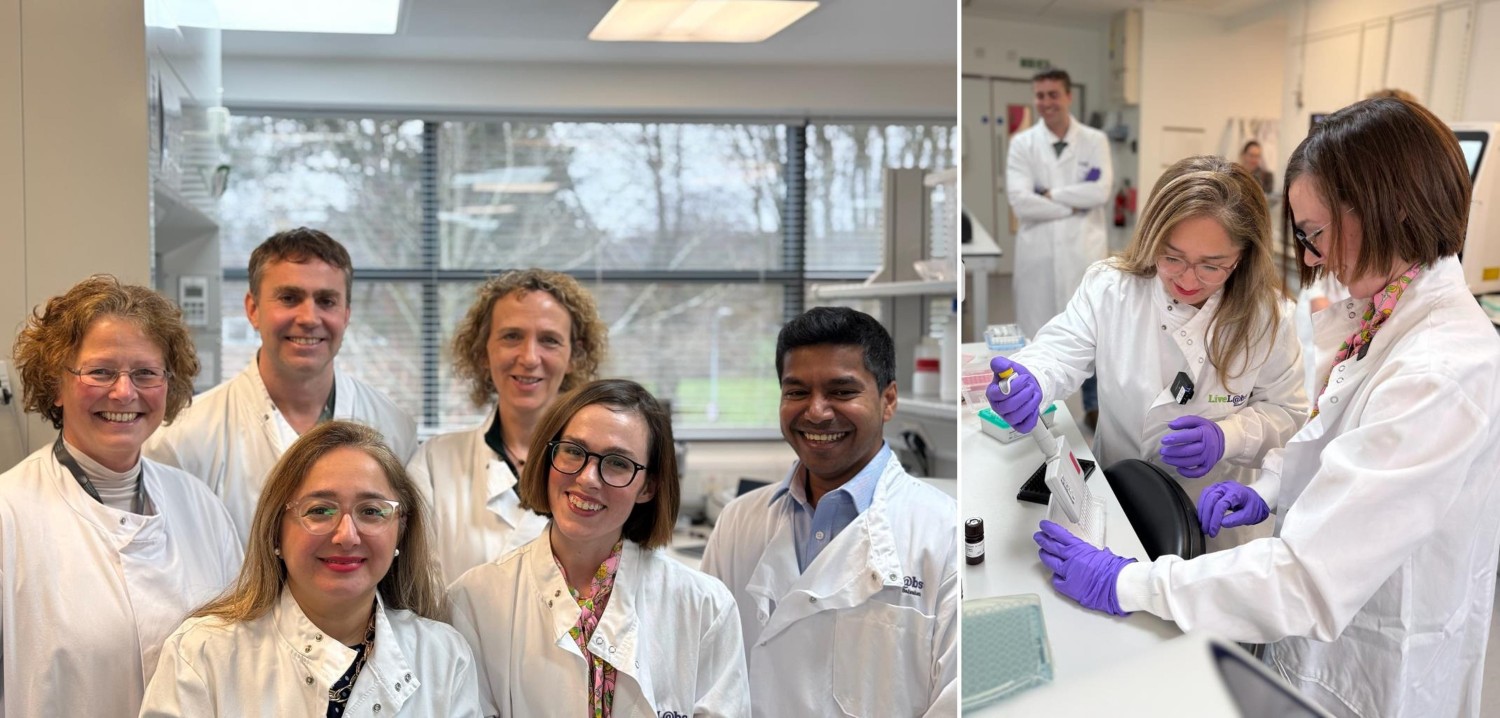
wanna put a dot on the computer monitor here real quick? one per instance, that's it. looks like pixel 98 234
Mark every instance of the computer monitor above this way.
pixel 1481 252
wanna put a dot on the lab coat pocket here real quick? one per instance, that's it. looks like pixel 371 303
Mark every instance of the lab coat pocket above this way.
pixel 883 660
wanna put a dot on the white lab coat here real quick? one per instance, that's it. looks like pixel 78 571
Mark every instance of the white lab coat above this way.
pixel 282 665
pixel 1059 237
pixel 88 593
pixel 1379 584
pixel 670 632
pixel 1137 338
pixel 233 434
pixel 476 513
pixel 871 628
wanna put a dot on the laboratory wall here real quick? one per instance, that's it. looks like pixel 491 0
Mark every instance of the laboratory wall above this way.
pixel 556 88
pixel 1337 51
pixel 1198 74
pixel 73 183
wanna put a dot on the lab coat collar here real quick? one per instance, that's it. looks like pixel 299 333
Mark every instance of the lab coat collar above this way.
pixel 860 487
pixel 122 528
pixel 856 565
pixel 499 480
pixel 1188 329
pixel 326 660
pixel 1070 136
pixel 616 639
pixel 343 400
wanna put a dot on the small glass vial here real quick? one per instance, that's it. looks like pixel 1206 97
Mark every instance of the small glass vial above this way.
pixel 974 541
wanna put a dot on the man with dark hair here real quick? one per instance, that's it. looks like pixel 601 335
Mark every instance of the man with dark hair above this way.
pixel 1058 177
pixel 846 573
pixel 231 436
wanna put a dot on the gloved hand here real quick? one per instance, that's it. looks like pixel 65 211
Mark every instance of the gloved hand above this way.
pixel 1195 446
pixel 1245 507
pixel 1081 571
pixel 1018 406
pixel 1093 175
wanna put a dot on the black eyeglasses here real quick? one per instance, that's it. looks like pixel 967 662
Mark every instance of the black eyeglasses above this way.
pixel 570 458
pixel 1305 239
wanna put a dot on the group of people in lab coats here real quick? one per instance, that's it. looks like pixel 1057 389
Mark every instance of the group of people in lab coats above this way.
pixel 1373 585
pixel 124 589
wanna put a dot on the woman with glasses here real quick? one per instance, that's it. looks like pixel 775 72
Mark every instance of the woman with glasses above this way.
pixel 336 611
pixel 593 618
pixel 529 335
pixel 1189 332
pixel 102 552
pixel 1376 591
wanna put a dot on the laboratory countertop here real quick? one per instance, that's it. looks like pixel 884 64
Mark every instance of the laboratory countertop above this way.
pixel 1081 640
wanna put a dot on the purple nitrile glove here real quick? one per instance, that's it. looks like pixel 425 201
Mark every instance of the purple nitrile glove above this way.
pixel 1080 570
pixel 1039 189
pixel 1093 175
pixel 1245 507
pixel 1195 446
pixel 1018 403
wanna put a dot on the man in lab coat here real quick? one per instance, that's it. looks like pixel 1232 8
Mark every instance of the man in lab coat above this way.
pixel 846 573
pixel 1058 178
pixel 233 434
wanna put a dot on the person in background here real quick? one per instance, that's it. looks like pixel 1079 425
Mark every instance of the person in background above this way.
pixel 337 610
pixel 1376 591
pixel 592 617
pixel 102 551
pixel 1195 297
pixel 1251 159
pixel 299 302
pixel 529 335
pixel 846 573
pixel 1058 177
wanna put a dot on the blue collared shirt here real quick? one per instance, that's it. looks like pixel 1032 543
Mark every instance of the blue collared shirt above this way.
pixel 814 528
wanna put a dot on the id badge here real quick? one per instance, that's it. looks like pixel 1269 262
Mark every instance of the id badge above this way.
pixel 1182 388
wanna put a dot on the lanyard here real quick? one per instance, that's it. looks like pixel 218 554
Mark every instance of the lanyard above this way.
pixel 60 452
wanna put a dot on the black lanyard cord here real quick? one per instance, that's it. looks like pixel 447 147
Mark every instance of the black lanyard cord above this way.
pixel 60 452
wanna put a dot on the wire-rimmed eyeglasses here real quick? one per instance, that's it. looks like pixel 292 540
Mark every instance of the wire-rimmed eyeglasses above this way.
pixel 321 516
pixel 104 377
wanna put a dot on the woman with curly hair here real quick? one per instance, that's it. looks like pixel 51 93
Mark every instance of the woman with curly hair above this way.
pixel 102 551
pixel 529 335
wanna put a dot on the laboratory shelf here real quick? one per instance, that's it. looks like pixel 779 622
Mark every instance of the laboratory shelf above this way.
pixel 879 290
pixel 927 406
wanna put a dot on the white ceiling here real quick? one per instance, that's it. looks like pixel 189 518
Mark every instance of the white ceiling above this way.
pixel 1091 11
pixel 839 32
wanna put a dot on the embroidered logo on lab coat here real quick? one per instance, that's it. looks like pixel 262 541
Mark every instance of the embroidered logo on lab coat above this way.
pixel 912 585
pixel 1236 399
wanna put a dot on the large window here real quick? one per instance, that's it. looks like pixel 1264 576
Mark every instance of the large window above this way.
pixel 697 239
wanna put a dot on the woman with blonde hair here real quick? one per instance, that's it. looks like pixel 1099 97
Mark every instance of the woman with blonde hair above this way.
pixel 592 617
pixel 1194 301
pixel 337 610
pixel 102 551
pixel 529 335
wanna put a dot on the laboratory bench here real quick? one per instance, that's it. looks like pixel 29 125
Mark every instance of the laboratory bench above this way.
pixel 1081 640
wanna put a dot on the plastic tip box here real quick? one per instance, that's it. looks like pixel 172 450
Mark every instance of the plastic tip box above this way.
pixel 991 423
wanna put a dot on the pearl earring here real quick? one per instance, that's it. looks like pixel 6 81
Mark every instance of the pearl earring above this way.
pixel 278 552
pixel 398 552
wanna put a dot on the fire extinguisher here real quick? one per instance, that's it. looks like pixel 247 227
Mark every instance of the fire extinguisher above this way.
pixel 1124 203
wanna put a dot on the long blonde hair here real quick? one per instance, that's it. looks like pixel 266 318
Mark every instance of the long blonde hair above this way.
pixel 412 582
pixel 1207 186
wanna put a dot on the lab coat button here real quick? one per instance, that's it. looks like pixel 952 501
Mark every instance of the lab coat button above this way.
pixel 894 577
pixel 818 535
pixel 122 520
pixel 812 599
pixel 1169 308
pixel 317 636
pixel 1200 360
pixel 1333 399
pixel 398 685
pixel 1190 342
pixel 1181 334
pixel 599 641
pixel 408 676
pixel 556 593
pixel 377 708
pixel 1341 368
pixel 307 648
pixel 549 603
pixel 309 680
pixel 1163 327
pixel 1351 315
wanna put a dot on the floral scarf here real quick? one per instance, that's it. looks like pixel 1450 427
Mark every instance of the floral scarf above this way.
pixel 601 674
pixel 1376 313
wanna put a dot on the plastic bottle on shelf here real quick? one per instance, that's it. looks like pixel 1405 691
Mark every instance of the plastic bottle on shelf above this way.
pixel 948 358
pixel 926 369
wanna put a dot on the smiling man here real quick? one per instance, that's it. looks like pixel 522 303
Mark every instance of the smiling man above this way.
pixel 231 436
pixel 846 573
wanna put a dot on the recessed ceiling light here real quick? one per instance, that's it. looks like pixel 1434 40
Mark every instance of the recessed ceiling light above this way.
pixel 698 20
pixel 362 17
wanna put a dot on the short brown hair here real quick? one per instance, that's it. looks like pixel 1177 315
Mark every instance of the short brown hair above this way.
pixel 1395 92
pixel 1057 75
pixel 590 336
pixel 651 523
pixel 49 342
pixel 1399 169
pixel 299 246
pixel 412 583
